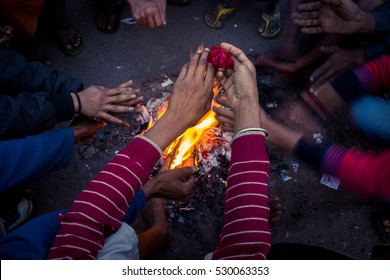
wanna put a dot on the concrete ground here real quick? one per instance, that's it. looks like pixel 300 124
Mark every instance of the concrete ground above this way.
pixel 313 214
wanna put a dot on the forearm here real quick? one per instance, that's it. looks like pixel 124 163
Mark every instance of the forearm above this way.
pixel 364 173
pixel 101 207
pixel 26 114
pixel 246 233
pixel 33 157
pixel 17 74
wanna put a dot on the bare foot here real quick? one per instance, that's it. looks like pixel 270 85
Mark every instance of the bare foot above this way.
pixel 158 235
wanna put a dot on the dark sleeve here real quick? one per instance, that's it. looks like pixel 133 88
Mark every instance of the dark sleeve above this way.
pixel 26 114
pixel 382 18
pixel 27 159
pixel 378 48
pixel 17 75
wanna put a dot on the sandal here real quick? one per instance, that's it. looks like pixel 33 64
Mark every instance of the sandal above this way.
pixel 217 17
pixel 109 16
pixel 270 25
pixel 70 41
pixel 179 3
pixel 381 227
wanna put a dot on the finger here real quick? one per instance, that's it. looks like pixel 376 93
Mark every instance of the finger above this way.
pixel 118 109
pixel 157 19
pixel 125 96
pixel 183 72
pixel 227 128
pixel 132 102
pixel 307 23
pixel 311 6
pixel 202 65
pixel 320 71
pixel 188 185
pixel 238 53
pixel 126 84
pixel 210 72
pixel 193 63
pixel 185 171
pixel 312 30
pixel 222 101
pixel 305 15
pixel 112 120
pixel 162 11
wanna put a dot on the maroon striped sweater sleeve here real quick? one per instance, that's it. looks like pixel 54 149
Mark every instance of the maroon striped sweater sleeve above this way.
pixel 374 75
pixel 246 233
pixel 364 173
pixel 102 205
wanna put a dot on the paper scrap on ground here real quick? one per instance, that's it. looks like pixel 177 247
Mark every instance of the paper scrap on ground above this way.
pixel 129 21
pixel 330 181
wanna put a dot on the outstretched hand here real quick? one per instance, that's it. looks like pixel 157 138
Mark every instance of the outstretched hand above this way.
pixel 149 13
pixel 332 16
pixel 338 62
pixel 190 100
pixel 171 184
pixel 104 103
pixel 241 89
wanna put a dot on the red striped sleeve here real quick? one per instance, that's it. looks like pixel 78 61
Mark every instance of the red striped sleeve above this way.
pixel 246 233
pixel 100 208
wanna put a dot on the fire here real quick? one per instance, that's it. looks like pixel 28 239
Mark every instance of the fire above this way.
pixel 183 151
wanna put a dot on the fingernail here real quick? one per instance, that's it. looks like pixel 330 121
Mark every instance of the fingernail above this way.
pixel 131 109
pixel 206 49
pixel 133 96
pixel 198 51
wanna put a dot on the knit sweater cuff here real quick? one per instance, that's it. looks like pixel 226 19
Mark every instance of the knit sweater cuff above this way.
pixel 331 161
pixel 240 147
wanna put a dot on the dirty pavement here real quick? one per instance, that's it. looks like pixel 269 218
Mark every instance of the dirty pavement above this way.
pixel 312 212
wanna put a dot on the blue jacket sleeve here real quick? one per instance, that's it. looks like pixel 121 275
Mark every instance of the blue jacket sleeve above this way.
pixel 382 18
pixel 27 159
pixel 18 75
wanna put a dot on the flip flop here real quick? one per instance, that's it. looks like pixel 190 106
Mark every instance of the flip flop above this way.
pixel 270 25
pixel 217 17
pixel 109 13
pixel 68 37
pixel 179 3
pixel 381 228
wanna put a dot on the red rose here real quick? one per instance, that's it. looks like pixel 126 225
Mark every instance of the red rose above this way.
pixel 220 58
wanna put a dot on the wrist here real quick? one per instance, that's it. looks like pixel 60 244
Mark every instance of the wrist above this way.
pixel 366 23
pixel 165 131
pixel 76 102
pixel 247 115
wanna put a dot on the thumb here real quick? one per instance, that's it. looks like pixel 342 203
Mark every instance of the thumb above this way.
pixel 186 171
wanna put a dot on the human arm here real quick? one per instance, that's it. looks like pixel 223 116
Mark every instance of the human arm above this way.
pixel 364 173
pixel 246 233
pixel 30 158
pixel 101 207
pixel 149 13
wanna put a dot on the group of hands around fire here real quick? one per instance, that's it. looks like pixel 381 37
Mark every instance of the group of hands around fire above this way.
pixel 190 100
